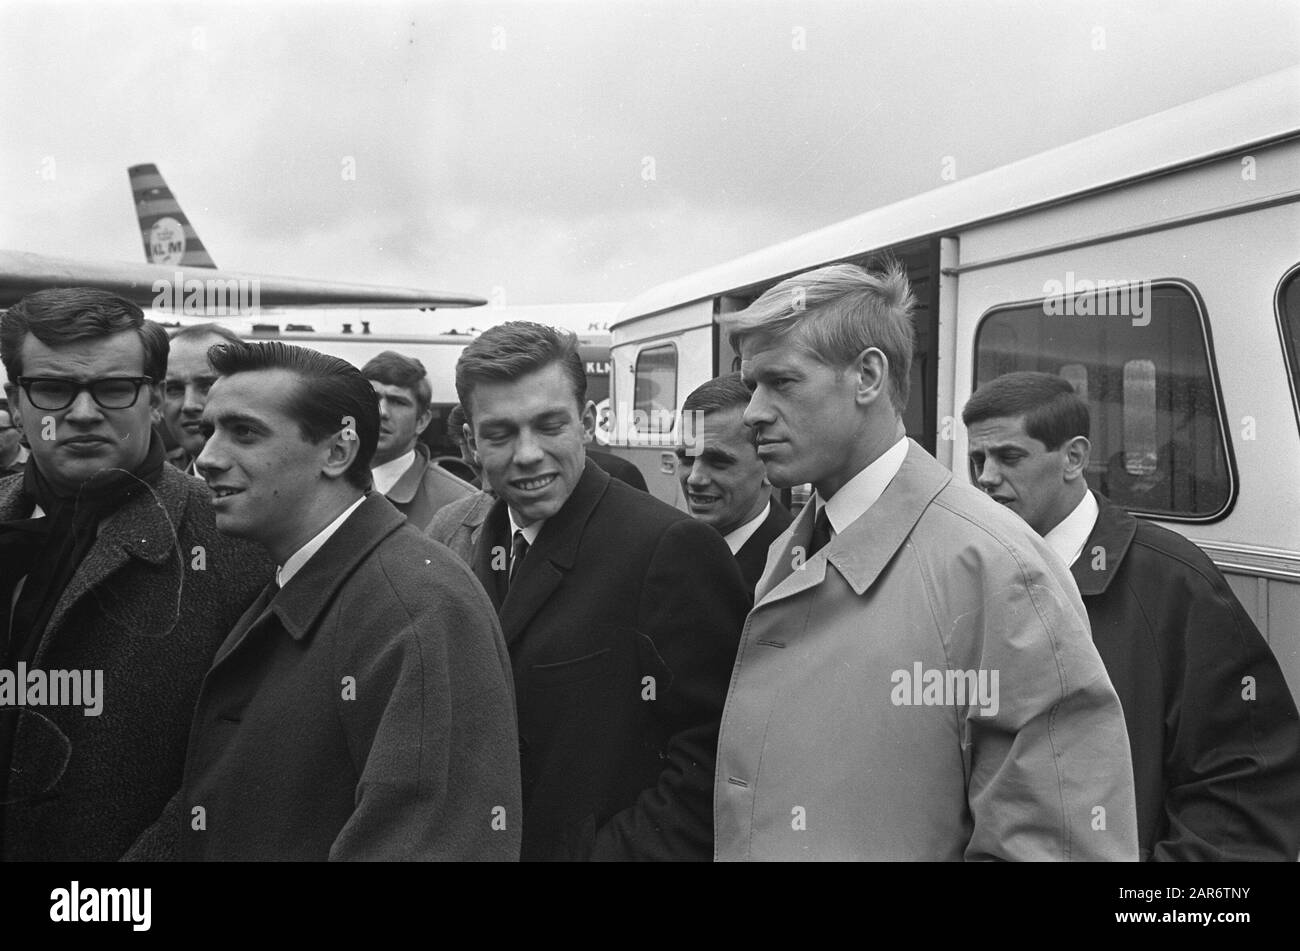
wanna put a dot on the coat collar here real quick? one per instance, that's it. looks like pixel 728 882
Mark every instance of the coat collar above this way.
pixel 1095 569
pixel 404 489
pixel 551 556
pixel 144 528
pixel 301 602
pixel 861 552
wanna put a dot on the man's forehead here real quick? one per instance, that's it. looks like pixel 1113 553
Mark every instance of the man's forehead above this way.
pixel 253 392
pixel 1002 431
pixel 118 353
pixel 392 389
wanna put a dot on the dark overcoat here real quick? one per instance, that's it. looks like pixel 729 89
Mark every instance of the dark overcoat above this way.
pixel 622 624
pixel 149 605
pixel 1211 722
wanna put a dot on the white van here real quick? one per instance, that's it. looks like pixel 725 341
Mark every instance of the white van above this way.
pixel 1155 265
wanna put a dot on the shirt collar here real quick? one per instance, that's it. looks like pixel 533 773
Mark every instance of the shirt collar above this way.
pixel 386 476
pixel 861 492
pixel 737 537
pixel 294 563
pixel 1071 534
pixel 530 533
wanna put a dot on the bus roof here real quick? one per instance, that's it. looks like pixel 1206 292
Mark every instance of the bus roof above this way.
pixel 1249 115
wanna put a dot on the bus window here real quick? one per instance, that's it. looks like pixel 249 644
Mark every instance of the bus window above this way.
pixel 1288 313
pixel 1158 444
pixel 654 391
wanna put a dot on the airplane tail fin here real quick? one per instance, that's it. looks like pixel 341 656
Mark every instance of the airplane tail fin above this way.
pixel 167 234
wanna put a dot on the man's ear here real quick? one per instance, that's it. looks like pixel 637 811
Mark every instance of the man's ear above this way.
pixel 1076 453
pixel 425 418
pixel 871 367
pixel 468 431
pixel 342 449
pixel 589 422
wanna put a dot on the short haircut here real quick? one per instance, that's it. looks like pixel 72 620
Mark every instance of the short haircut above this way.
pixel 330 391
pixel 834 313
pixel 210 329
pixel 718 395
pixel 508 351
pixel 1053 411
pixel 395 369
pixel 722 392
pixel 61 316
pixel 455 423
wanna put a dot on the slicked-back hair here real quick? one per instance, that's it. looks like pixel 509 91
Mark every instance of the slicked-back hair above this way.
pixel 1053 411
pixel 834 313
pixel 718 395
pixel 61 316
pixel 511 350
pixel 210 329
pixel 395 369
pixel 330 390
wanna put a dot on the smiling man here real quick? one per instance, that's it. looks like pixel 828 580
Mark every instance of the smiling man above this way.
pixel 620 612
pixel 916 680
pixel 1216 763
pixel 109 562
pixel 361 707
pixel 185 392
pixel 723 480
pixel 402 469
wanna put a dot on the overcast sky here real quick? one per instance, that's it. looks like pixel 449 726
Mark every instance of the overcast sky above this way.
pixel 562 152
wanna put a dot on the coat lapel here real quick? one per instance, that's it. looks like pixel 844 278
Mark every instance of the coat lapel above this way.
pixel 553 554
pixel 861 552
pixel 1112 534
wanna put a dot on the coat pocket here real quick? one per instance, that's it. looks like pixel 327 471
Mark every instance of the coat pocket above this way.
pixel 574 671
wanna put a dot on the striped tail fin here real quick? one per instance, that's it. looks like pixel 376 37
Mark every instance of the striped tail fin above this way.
pixel 167 234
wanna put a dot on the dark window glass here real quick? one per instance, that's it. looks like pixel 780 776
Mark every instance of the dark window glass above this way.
pixel 655 390
pixel 1288 308
pixel 1143 366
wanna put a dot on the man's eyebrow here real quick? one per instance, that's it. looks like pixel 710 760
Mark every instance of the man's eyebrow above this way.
pixel 232 418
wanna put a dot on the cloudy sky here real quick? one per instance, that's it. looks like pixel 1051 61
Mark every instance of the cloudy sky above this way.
pixel 562 152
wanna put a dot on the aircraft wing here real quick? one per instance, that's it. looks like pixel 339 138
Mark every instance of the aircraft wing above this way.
pixel 167 288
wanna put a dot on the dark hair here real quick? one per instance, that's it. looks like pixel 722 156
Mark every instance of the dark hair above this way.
pixel 64 315
pixel 394 369
pixel 516 348
pixel 455 423
pixel 210 329
pixel 1053 411
pixel 722 392
pixel 331 390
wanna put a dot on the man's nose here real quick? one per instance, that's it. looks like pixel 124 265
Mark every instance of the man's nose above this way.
pixel 699 475
pixel 987 475
pixel 211 459
pixel 84 409
pixel 528 449
pixel 758 412
pixel 383 408
pixel 193 402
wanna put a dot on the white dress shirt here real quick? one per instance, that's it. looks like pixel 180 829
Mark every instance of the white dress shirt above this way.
pixel 863 491
pixel 294 563
pixel 1068 538
pixel 737 537
pixel 386 476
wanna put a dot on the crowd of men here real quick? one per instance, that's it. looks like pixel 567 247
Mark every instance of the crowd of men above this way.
pixel 315 643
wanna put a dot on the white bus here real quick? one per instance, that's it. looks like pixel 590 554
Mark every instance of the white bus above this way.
pixel 1156 266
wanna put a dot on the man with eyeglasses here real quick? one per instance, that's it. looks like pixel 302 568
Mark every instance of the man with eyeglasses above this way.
pixel 185 391
pixel 112 573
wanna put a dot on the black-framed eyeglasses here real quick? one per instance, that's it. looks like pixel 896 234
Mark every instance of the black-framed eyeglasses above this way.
pixel 54 393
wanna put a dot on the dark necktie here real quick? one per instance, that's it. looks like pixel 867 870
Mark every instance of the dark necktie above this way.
pixel 821 533
pixel 518 551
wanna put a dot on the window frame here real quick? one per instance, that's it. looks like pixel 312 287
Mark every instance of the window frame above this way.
pixel 1290 347
pixel 1207 341
pixel 650 347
